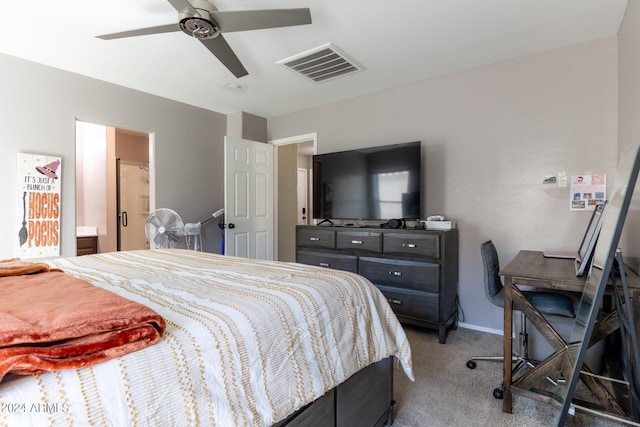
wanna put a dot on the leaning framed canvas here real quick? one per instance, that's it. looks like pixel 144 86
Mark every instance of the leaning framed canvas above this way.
pixel 38 206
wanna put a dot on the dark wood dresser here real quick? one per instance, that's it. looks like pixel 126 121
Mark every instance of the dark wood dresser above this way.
pixel 86 245
pixel 416 270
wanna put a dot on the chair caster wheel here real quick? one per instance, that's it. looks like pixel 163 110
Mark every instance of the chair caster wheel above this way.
pixel 471 364
pixel 497 393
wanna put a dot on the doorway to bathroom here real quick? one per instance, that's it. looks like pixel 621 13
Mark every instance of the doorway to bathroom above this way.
pixel 113 186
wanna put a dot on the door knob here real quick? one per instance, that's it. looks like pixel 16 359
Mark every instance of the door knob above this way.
pixel 231 225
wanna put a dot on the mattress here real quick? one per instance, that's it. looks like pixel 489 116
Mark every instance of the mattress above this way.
pixel 247 343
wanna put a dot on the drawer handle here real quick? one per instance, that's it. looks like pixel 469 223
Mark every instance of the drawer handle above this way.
pixel 408 245
pixel 356 242
pixel 314 239
pixel 395 273
pixel 394 301
pixel 324 264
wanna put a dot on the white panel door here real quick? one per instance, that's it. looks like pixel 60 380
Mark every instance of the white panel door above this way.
pixel 248 198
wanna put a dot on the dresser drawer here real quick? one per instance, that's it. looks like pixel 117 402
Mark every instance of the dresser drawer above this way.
pixel 412 244
pixel 419 305
pixel 364 241
pixel 316 238
pixel 420 276
pixel 329 260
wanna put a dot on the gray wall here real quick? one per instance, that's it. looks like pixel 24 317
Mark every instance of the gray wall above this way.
pixel 490 136
pixel 38 109
pixel 247 126
pixel 287 162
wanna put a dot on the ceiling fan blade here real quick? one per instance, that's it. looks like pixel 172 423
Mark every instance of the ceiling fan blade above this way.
pixel 221 49
pixel 142 32
pixel 242 20
pixel 182 6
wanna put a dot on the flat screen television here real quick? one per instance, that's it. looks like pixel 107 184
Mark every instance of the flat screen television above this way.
pixel 377 183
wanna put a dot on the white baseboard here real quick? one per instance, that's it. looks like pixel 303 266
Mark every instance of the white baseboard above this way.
pixel 480 328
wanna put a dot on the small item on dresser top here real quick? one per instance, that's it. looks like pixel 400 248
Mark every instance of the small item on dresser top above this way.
pixel 394 223
pixel 438 222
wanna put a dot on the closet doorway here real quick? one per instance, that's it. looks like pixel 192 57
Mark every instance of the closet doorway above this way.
pixel 114 178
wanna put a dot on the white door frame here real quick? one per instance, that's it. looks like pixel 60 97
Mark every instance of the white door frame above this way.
pixel 285 141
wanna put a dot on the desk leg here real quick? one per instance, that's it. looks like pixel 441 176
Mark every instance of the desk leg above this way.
pixel 508 350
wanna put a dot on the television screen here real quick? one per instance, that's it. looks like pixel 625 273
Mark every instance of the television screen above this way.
pixel 378 183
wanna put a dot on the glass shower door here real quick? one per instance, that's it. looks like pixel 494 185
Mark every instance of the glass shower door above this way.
pixel 133 205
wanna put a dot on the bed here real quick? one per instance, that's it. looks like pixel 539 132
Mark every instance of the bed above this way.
pixel 247 343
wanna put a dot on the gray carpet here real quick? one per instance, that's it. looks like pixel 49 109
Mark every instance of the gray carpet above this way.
pixel 447 393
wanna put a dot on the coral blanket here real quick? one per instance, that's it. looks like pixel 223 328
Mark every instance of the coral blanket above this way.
pixel 52 321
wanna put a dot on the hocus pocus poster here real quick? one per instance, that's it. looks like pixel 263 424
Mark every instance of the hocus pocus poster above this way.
pixel 38 206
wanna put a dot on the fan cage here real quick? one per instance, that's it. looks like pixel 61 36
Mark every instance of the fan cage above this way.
pixel 164 229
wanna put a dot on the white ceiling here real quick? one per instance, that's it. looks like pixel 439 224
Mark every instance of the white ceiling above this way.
pixel 397 42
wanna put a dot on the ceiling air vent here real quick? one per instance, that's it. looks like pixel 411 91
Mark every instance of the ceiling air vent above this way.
pixel 321 63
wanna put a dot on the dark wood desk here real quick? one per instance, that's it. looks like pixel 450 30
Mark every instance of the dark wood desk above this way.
pixel 532 268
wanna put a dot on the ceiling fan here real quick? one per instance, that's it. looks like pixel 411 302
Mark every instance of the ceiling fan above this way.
pixel 202 20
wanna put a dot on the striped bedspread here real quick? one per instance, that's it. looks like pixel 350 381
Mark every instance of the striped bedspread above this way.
pixel 247 343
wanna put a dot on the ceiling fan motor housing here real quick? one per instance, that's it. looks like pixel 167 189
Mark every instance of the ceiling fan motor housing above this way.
pixel 199 28
pixel 201 24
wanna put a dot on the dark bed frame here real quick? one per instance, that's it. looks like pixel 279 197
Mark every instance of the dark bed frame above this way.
pixel 365 399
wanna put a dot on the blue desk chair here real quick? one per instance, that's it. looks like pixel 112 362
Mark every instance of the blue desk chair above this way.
pixel 547 303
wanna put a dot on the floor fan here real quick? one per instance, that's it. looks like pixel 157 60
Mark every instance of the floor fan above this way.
pixel 164 229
